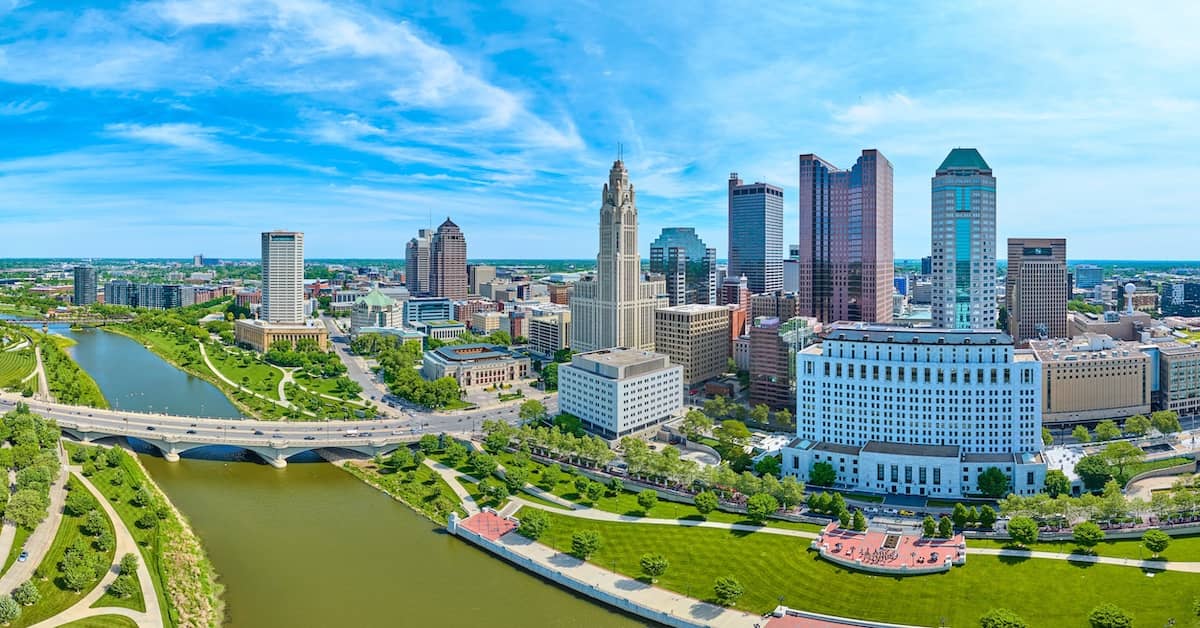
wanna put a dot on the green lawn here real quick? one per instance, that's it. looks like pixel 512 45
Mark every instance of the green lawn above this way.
pixel 18 544
pixel 625 503
pixel 427 493
pixel 56 597
pixel 244 368
pixel 16 366
pixel 135 601
pixel 1043 592
pixel 1152 465
pixel 102 621
pixel 1184 549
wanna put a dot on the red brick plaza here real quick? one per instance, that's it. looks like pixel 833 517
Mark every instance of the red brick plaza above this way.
pixel 488 524
pixel 886 551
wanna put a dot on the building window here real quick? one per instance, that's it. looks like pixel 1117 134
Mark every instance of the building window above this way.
pixel 879 472
pixel 895 474
pixel 937 475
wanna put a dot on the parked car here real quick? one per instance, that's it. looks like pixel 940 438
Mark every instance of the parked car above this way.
pixel 907 513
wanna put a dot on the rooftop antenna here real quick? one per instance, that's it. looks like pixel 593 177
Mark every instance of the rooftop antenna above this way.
pixel 620 152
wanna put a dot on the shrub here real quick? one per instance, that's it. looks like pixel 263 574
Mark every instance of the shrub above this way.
pixel 727 590
pixel 533 524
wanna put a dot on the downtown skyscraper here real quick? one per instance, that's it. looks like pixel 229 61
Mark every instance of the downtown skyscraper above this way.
pixel 1036 288
pixel 416 262
pixel 688 265
pixel 448 262
pixel 845 252
pixel 616 307
pixel 282 277
pixel 964 242
pixel 756 234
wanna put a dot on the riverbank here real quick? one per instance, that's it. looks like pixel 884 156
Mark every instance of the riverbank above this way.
pixel 184 578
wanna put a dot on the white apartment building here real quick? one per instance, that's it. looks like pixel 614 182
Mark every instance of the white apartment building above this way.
pixel 618 392
pixel 917 412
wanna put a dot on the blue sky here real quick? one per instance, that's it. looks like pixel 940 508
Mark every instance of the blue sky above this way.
pixel 172 127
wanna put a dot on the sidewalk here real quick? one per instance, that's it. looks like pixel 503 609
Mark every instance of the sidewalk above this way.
pixel 39 542
pixel 603 515
pixel 451 477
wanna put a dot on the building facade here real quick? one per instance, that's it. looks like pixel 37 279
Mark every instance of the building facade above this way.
pixel 282 277
pixel 475 365
pixel 772 347
pixel 259 335
pixel 550 330
pixel 1088 276
pixel 615 308
pixel 917 412
pixel 846 264
pixel 85 288
pixel 448 262
pixel 416 263
pixel 426 309
pixel 687 264
pixel 1035 288
pixel 477 275
pixel 756 234
pixel 376 309
pixel 1092 377
pixel 1179 378
pixel 695 337
pixel 620 392
pixel 964 242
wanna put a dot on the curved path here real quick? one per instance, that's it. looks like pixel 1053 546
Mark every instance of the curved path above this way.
pixel 40 371
pixel 8 533
pixel 126 544
pixel 451 477
pixel 207 362
pixel 39 542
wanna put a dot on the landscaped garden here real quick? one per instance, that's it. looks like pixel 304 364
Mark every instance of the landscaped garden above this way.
pixel 402 476
pixel 15 366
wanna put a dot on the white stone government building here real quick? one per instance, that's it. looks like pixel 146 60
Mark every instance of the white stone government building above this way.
pixel 619 392
pixel 917 412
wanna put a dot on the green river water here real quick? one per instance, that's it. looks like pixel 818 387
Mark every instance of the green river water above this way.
pixel 310 545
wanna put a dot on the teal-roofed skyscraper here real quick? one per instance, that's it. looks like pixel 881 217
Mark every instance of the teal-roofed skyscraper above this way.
pixel 964 242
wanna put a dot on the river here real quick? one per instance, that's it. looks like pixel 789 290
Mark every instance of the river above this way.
pixel 309 545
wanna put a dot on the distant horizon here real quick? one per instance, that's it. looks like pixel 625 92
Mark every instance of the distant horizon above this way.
pixel 1070 261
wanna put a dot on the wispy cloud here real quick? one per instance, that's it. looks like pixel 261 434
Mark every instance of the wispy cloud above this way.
pixel 22 108
pixel 179 135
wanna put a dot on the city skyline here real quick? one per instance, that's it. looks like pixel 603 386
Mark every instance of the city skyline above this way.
pixel 166 145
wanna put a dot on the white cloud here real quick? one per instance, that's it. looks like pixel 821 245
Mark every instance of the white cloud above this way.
pixel 178 135
pixel 21 108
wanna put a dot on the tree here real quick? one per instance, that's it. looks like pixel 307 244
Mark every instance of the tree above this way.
pixel 585 543
pixel 993 482
pixel 27 508
pixel 455 453
pixel 483 465
pixel 1156 541
pixel 822 474
pixel 569 424
pixel 791 492
pixel 928 527
pixel 987 516
pixel 616 486
pixel 1107 430
pixel 129 564
pixel 79 503
pixel 1109 615
pixel 1087 534
pixel 843 516
pixel 10 610
pixel 1138 425
pixel 532 411
pixel 400 459
pixel 533 523
pixel 761 506
pixel 784 417
pixel 78 569
pixel 1001 618
pixel 706 502
pixel 959 515
pixel 1094 471
pixel 515 477
pixel 550 477
pixel 27 594
pixel 1122 454
pixel 945 528
pixel 647 499
pixel 1047 437
pixel 732 433
pixel 428 444
pixel 1166 421
pixel 594 491
pixel 94 523
pixel 654 565
pixel 1057 483
pixel 768 465
pixel 859 521
pixel 124 586
pixel 727 590
pixel 760 414
pixel 493 489
pixel 695 424
pixel 1081 434
pixel 1023 530
pixel 550 376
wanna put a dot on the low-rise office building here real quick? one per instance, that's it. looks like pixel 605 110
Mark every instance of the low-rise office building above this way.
pixel 1179 377
pixel 260 335
pixel 917 412
pixel 375 309
pixel 475 365
pixel 619 392
pixel 441 330
pixel 695 337
pixel 549 330
pixel 486 322
pixel 1092 377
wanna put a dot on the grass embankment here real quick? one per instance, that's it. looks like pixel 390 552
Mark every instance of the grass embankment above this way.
pixel 1043 592
pixel 68 383
pixel 102 621
pixel 1151 465
pixel 15 366
pixel 184 579
pixel 56 596
pixel 1182 548
pixel 418 486
pixel 625 502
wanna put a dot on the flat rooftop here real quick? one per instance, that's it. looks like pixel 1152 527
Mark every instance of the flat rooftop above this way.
pixel 1085 347
pixel 619 356
pixel 866 332
pixel 911 449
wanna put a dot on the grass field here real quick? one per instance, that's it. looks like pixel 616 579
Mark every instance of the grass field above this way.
pixel 16 366
pixel 102 621
pixel 18 544
pixel 56 597
pixel 625 503
pixel 1184 548
pixel 427 492
pixel 244 368
pixel 1044 592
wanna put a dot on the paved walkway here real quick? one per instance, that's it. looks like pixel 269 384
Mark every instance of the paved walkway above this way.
pixel 39 542
pixel 207 362
pixel 1155 565
pixel 603 515
pixel 451 477
pixel 40 370
pixel 8 533
pixel 152 616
